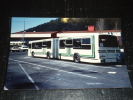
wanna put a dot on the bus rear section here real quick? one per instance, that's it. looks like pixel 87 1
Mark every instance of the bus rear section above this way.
pixel 109 50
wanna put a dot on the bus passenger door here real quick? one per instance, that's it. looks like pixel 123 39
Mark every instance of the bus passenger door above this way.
pixel 29 49
pixel 55 47
pixel 38 48
pixel 68 51
pixel 69 45
pixel 44 46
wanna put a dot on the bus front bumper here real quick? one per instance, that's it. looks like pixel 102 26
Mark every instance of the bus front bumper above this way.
pixel 107 60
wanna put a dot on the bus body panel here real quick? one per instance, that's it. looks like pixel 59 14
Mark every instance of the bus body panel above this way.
pixel 55 48
pixel 29 50
pixel 110 54
pixel 96 46
pixel 68 52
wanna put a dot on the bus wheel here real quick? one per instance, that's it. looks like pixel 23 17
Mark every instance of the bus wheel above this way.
pixel 76 58
pixel 48 55
pixel 33 54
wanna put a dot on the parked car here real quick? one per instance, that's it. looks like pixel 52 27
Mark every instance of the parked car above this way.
pixel 23 48
pixel 14 49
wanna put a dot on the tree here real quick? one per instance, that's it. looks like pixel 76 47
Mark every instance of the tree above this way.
pixel 117 25
pixel 100 24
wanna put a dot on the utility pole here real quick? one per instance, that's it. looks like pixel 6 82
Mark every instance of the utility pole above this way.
pixel 23 32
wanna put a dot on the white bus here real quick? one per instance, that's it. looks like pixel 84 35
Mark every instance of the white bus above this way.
pixel 92 48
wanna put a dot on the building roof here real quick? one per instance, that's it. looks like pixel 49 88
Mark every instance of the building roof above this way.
pixel 50 32
pixel 34 32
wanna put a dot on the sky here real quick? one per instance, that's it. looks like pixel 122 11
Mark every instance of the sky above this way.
pixel 17 23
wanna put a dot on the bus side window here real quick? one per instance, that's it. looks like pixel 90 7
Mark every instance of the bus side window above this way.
pixel 33 45
pixel 77 42
pixel 39 45
pixel 48 44
pixel 69 42
pixel 62 43
pixel 86 43
pixel 44 44
pixel 29 45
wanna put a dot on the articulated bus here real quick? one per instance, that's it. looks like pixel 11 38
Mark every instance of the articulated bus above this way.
pixel 92 48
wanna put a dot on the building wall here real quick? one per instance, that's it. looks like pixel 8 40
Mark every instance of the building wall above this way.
pixel 31 37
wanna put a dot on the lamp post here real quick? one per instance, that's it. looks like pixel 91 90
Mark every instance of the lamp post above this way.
pixel 23 33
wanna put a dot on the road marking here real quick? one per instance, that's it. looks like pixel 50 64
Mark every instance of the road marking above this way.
pixel 36 68
pixel 27 57
pixel 118 65
pixel 55 69
pixel 5 88
pixel 112 72
pixel 93 83
pixel 72 63
pixel 68 63
pixel 65 64
pixel 28 76
pixel 55 78
pixel 87 66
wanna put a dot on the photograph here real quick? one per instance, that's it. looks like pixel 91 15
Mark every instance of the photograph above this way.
pixel 66 53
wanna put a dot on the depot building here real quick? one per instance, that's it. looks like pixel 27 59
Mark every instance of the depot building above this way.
pixel 25 37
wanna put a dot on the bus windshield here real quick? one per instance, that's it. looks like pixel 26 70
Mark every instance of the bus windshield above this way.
pixel 108 41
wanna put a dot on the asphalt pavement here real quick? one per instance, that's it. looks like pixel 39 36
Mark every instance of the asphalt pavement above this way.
pixel 25 72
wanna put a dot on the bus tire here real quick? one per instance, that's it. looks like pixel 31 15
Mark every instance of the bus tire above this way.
pixel 76 58
pixel 103 61
pixel 33 54
pixel 48 55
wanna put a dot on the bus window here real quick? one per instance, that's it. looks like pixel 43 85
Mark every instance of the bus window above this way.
pixel 44 44
pixel 29 45
pixel 33 45
pixel 77 42
pixel 86 41
pixel 86 44
pixel 48 44
pixel 62 43
pixel 108 41
pixel 68 42
pixel 38 45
